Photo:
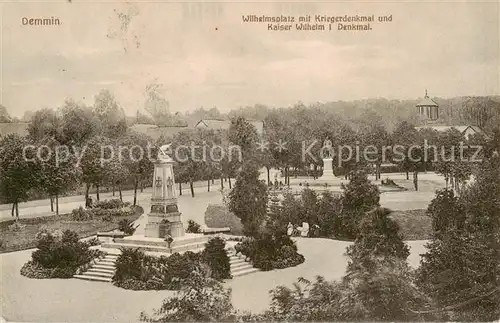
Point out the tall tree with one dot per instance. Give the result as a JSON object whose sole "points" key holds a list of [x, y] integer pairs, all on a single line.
{"points": [[403, 138], [79, 124], [116, 173], [4, 115], [93, 164], [58, 172], [18, 171], [248, 199], [138, 158], [359, 196], [244, 135], [45, 124], [110, 114]]}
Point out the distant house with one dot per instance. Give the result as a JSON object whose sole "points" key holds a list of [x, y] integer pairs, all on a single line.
{"points": [[220, 124], [20, 128], [155, 132], [466, 131], [428, 111]]}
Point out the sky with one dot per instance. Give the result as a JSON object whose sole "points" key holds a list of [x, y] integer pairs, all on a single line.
{"points": [[202, 54]]}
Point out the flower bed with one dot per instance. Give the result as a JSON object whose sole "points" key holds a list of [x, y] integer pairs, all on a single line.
{"points": [[104, 214], [25, 238], [110, 204]]}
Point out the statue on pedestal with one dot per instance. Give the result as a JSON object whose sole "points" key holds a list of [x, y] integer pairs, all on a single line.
{"points": [[164, 153], [164, 210], [326, 150]]}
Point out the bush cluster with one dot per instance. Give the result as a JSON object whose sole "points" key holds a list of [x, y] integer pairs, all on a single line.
{"points": [[110, 204], [58, 256], [268, 252], [104, 214], [193, 227], [137, 271], [327, 215]]}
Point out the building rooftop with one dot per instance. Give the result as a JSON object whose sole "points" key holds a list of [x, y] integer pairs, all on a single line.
{"points": [[427, 102], [461, 129]]}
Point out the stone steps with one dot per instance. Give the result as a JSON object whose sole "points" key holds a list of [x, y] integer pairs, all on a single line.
{"points": [[103, 270], [240, 267], [92, 278]]}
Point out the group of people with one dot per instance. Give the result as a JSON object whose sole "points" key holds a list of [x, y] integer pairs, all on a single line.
{"points": [[303, 231]]}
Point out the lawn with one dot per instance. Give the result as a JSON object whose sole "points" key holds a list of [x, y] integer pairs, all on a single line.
{"points": [[413, 224], [25, 238]]}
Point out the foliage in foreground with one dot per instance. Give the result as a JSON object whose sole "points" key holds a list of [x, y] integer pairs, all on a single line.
{"points": [[200, 299], [382, 292], [58, 256], [461, 269]]}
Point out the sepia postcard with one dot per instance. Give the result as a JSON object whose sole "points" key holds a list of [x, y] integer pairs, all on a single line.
{"points": [[249, 161]]}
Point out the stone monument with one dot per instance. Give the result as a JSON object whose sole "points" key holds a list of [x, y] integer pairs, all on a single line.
{"points": [[328, 177], [327, 160], [164, 218], [163, 231]]}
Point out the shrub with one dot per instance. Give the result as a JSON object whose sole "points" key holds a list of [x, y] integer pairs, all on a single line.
{"points": [[216, 257], [193, 227], [219, 216], [268, 252], [93, 242], [108, 204], [104, 214], [154, 272], [124, 211], [128, 265], [378, 236], [33, 270], [81, 214], [58, 257], [136, 270], [200, 299]]}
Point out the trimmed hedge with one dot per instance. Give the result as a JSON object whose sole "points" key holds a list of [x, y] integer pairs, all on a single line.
{"points": [[218, 216]]}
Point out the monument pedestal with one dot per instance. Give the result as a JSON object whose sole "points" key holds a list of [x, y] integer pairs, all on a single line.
{"points": [[328, 177], [164, 230]]}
